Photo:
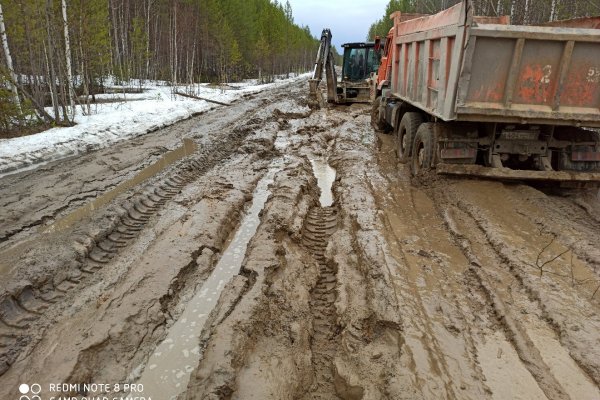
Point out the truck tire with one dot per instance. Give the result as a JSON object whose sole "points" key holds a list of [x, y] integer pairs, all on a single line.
{"points": [[422, 151], [405, 134], [376, 122]]}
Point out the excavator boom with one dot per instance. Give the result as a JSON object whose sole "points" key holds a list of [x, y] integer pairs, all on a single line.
{"points": [[325, 61]]}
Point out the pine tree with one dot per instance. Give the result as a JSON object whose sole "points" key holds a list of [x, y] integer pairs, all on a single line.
{"points": [[62, 49]]}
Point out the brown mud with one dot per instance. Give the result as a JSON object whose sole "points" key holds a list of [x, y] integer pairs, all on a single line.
{"points": [[355, 281]]}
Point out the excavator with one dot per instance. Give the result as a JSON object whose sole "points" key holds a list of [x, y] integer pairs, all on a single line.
{"points": [[359, 66]]}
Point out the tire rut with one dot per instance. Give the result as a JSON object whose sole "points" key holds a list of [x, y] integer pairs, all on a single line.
{"points": [[515, 331], [54, 211], [20, 310], [319, 226], [548, 315]]}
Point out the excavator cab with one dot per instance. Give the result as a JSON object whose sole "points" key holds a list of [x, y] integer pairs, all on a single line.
{"points": [[360, 59]]}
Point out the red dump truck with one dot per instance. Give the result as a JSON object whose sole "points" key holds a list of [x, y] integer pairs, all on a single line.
{"points": [[471, 95]]}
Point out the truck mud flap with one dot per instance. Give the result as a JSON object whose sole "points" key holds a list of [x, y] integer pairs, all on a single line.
{"points": [[568, 178]]}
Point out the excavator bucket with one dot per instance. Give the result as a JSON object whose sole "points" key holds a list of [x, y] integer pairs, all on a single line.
{"points": [[313, 88]]}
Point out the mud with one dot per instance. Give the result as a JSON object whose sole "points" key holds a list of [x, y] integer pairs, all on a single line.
{"points": [[165, 376], [291, 257]]}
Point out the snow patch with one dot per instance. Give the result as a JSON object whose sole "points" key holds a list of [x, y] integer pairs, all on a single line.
{"points": [[145, 112]]}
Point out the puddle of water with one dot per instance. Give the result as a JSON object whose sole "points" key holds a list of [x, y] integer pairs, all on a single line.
{"points": [[325, 176], [188, 147], [168, 370]]}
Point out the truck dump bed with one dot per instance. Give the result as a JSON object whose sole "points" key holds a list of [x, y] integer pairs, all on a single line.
{"points": [[459, 67]]}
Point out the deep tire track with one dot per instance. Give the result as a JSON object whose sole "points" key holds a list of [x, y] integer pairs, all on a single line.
{"points": [[513, 271], [21, 309], [319, 226], [515, 332]]}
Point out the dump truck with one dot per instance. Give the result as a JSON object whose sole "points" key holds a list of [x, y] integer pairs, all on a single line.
{"points": [[468, 95], [359, 65]]}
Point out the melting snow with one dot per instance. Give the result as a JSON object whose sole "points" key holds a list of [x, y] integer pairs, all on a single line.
{"points": [[112, 122]]}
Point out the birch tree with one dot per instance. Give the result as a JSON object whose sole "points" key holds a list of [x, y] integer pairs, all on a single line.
{"points": [[553, 10], [70, 83], [9, 64]]}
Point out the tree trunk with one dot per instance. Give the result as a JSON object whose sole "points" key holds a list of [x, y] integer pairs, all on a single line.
{"points": [[35, 79], [124, 47], [175, 64], [148, 40], [86, 109], [500, 8], [156, 48], [191, 69], [11, 71], [115, 36], [513, 6], [70, 83], [39, 108], [50, 63], [553, 10], [64, 90]]}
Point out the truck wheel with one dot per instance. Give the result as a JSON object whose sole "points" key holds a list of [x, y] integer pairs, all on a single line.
{"points": [[377, 123], [422, 150], [406, 134]]}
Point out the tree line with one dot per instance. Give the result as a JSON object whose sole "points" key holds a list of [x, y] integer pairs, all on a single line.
{"points": [[59, 53], [521, 12]]}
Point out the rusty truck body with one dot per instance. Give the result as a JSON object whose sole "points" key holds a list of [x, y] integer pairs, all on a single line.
{"points": [[478, 96]]}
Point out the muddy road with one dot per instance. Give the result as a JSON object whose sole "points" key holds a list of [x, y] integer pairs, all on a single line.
{"points": [[281, 252]]}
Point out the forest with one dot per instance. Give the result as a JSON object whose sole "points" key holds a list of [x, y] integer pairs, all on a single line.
{"points": [[59, 53], [521, 12]]}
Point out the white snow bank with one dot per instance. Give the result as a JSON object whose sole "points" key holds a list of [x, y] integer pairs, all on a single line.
{"points": [[109, 123]]}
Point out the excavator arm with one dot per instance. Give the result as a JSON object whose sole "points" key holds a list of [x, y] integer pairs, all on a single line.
{"points": [[325, 61]]}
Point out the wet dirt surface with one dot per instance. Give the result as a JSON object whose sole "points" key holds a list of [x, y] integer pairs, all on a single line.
{"points": [[291, 257]]}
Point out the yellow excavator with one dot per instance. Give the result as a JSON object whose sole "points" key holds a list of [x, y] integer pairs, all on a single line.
{"points": [[359, 66]]}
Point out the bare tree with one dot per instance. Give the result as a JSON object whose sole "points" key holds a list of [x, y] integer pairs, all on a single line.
{"points": [[70, 89], [148, 39], [553, 10], [9, 64], [50, 67]]}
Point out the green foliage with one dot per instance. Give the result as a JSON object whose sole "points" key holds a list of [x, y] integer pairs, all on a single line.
{"points": [[235, 60], [258, 37], [139, 43], [11, 116], [149, 39], [9, 112]]}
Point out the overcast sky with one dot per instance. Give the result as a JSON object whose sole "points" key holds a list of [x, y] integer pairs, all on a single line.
{"points": [[349, 20]]}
